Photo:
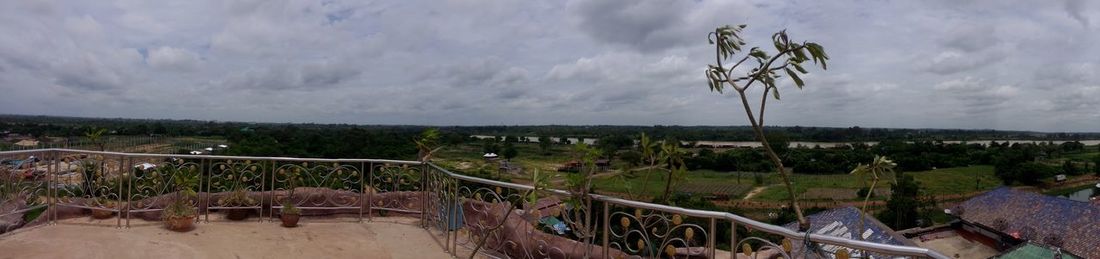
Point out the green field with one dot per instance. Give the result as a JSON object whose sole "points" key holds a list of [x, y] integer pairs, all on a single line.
{"points": [[944, 181], [937, 182], [700, 181]]}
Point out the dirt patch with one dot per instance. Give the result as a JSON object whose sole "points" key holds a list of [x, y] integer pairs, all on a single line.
{"points": [[754, 192]]}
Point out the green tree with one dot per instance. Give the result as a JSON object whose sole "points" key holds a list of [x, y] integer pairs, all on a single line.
{"points": [[427, 144], [490, 145], [509, 151], [873, 172], [544, 145], [1096, 164], [650, 155], [905, 206], [1069, 168], [763, 73], [94, 135], [673, 161], [615, 142]]}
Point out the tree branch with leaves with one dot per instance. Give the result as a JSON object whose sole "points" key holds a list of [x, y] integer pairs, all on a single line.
{"points": [[877, 169], [762, 73]]}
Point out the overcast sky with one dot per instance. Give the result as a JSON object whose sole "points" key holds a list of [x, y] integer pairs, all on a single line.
{"points": [[1026, 65]]}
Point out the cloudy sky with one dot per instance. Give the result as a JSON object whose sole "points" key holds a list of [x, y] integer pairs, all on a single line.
{"points": [[1029, 65]]}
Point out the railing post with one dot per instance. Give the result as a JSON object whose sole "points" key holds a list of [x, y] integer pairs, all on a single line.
{"points": [[733, 239], [607, 227], [206, 168], [129, 194], [424, 194], [362, 190], [457, 202], [370, 197], [51, 173], [263, 189], [711, 243], [121, 165]]}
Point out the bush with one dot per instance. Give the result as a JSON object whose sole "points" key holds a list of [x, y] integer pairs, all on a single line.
{"points": [[862, 192]]}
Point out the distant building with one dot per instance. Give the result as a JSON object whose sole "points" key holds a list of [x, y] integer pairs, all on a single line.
{"points": [[1012, 217], [844, 222], [603, 164], [27, 143]]}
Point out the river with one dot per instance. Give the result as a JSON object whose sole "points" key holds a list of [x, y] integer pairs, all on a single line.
{"points": [[1083, 195], [709, 143]]}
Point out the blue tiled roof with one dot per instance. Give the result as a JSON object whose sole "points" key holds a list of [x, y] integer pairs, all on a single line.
{"points": [[844, 222], [1074, 224]]}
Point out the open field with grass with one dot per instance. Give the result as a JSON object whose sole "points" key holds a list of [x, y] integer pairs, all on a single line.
{"points": [[703, 182], [944, 181]]}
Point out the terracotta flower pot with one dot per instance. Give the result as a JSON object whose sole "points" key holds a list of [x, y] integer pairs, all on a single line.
{"points": [[236, 214], [102, 214], [180, 224], [290, 220]]}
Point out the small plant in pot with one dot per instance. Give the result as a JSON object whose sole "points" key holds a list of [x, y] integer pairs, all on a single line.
{"points": [[180, 214], [238, 198], [104, 213], [290, 214]]}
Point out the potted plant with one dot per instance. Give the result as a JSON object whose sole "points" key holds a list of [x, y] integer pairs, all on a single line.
{"points": [[104, 213], [290, 214], [238, 198], [180, 214]]}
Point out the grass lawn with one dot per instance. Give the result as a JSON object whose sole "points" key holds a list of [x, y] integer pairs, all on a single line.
{"points": [[692, 181], [1084, 156], [938, 182]]}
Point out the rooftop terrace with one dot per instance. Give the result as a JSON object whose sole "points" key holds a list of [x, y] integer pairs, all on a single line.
{"points": [[348, 206]]}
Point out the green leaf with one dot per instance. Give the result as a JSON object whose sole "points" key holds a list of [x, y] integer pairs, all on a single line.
{"points": [[775, 93], [797, 81], [799, 68], [756, 52]]}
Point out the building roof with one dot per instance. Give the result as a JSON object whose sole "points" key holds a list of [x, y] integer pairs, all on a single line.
{"points": [[1031, 250], [1071, 225], [27, 143], [844, 222]]}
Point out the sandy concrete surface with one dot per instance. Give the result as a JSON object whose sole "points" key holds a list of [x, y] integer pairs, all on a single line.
{"points": [[951, 244], [86, 238]]}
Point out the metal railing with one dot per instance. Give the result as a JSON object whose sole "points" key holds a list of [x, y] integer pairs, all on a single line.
{"points": [[459, 210]]}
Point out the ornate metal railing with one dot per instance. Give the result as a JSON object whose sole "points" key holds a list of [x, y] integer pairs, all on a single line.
{"points": [[459, 210]]}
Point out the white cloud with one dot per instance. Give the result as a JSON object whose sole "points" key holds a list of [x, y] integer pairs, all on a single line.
{"points": [[173, 59], [974, 64]]}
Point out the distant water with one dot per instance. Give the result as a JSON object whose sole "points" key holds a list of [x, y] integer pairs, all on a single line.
{"points": [[872, 143], [814, 143], [1082, 195]]}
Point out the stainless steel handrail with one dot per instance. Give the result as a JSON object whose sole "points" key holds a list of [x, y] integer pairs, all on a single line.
{"points": [[286, 159], [753, 224], [765, 227]]}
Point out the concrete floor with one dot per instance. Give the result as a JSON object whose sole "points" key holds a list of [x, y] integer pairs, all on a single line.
{"points": [[87, 238], [952, 244]]}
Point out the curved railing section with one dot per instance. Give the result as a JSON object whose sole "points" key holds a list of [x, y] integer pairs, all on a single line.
{"points": [[461, 211]]}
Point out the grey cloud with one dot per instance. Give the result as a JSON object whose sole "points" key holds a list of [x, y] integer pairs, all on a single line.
{"points": [[977, 95], [1076, 9], [309, 76], [895, 64], [645, 25], [971, 38], [485, 72], [1063, 75], [173, 59]]}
